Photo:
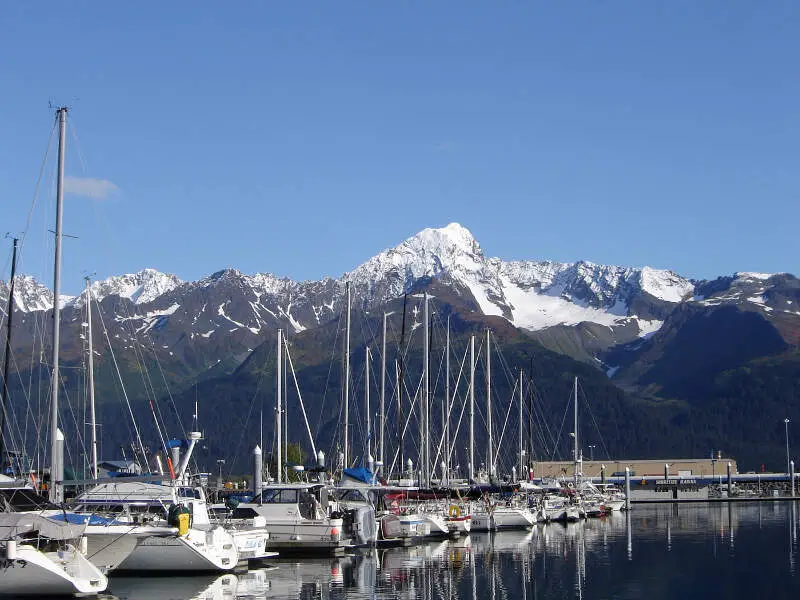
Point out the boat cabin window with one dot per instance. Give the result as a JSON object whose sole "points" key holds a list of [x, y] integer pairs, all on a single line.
{"points": [[186, 492], [279, 497], [344, 495]]}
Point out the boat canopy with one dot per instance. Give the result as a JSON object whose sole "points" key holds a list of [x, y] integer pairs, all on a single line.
{"points": [[14, 525]]}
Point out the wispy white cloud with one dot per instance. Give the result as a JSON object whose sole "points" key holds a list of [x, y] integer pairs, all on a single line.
{"points": [[98, 189]]}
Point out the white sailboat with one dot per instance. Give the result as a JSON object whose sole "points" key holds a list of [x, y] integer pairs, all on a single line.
{"points": [[44, 558]]}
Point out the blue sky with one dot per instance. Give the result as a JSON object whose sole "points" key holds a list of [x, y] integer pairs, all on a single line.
{"points": [[301, 138]]}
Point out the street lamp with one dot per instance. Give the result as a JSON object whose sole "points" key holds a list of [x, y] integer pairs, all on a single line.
{"points": [[220, 462], [591, 452], [786, 423]]}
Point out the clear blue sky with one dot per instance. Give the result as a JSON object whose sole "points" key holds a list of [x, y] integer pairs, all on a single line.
{"points": [[301, 138]]}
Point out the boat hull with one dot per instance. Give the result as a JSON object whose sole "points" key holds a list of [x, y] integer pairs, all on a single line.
{"points": [[35, 573], [199, 550]]}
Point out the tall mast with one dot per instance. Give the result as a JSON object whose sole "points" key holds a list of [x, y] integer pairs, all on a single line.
{"points": [[446, 404], [471, 408], [383, 391], [521, 456], [347, 382], [286, 363], [530, 412], [424, 421], [400, 415], [575, 430], [56, 492], [489, 400], [92, 415], [279, 406], [398, 373], [366, 403], [7, 353]]}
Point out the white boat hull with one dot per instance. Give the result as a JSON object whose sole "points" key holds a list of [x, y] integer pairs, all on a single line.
{"points": [[437, 524], [308, 535], [198, 550], [459, 525], [512, 518], [481, 522], [403, 527], [35, 573]]}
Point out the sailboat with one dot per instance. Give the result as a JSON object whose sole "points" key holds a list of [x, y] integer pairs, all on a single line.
{"points": [[302, 517], [43, 556]]}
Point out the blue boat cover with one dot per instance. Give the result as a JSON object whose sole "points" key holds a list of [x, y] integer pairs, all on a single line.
{"points": [[77, 519], [362, 474]]}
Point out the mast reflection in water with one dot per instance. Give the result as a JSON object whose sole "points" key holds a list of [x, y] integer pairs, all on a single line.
{"points": [[731, 551]]}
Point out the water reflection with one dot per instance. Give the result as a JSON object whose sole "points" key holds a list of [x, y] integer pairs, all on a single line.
{"points": [[584, 560]]}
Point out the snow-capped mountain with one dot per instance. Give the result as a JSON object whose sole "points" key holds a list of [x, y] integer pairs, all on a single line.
{"points": [[229, 307], [141, 288], [29, 295]]}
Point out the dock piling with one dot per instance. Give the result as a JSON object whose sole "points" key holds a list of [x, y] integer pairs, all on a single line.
{"points": [[730, 482], [258, 470], [627, 488]]}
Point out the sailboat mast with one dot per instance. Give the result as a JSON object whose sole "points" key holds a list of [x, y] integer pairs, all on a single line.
{"points": [[56, 492], [347, 383], [446, 404], [575, 437], [7, 353], [424, 421], [471, 408], [383, 392], [92, 414], [490, 463], [530, 412], [366, 403], [521, 455], [279, 407], [400, 368]]}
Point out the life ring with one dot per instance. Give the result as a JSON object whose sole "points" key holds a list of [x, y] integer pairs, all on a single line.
{"points": [[454, 510]]}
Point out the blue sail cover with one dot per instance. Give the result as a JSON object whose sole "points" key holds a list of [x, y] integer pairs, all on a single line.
{"points": [[362, 474]]}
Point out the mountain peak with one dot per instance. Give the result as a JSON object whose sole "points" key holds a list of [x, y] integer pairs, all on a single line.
{"points": [[447, 240], [141, 287]]}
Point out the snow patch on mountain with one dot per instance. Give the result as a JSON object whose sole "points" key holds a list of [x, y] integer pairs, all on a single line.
{"points": [[141, 288], [664, 285], [753, 275]]}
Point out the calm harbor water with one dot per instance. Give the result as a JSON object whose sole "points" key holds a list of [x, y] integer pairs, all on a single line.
{"points": [[741, 550]]}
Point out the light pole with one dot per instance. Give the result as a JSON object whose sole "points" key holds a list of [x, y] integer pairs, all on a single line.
{"points": [[786, 423], [591, 452]]}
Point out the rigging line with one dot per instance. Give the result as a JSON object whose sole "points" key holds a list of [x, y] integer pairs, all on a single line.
{"points": [[561, 428], [136, 349], [591, 414], [158, 417], [450, 404], [330, 371], [73, 130], [38, 185], [505, 423], [410, 413], [168, 392], [139, 351], [232, 460], [300, 398], [122, 386], [544, 425]]}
